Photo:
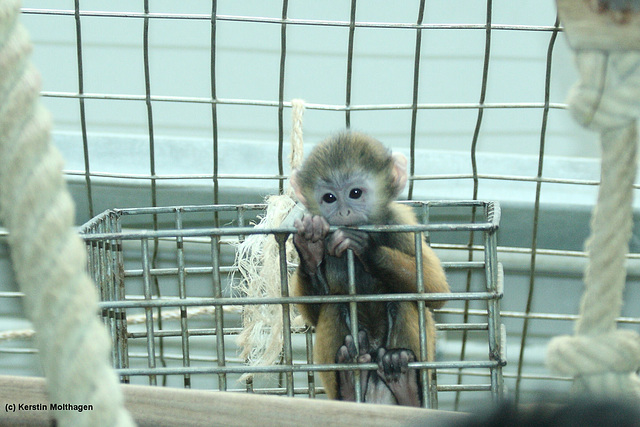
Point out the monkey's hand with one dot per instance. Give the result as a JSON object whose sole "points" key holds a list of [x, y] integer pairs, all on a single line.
{"points": [[309, 241], [347, 238]]}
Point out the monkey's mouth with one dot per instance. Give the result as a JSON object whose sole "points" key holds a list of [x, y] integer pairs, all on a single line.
{"points": [[347, 222]]}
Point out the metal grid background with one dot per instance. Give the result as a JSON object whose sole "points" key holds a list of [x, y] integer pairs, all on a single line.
{"points": [[519, 321]]}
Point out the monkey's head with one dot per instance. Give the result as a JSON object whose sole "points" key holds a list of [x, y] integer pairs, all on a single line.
{"points": [[350, 179]]}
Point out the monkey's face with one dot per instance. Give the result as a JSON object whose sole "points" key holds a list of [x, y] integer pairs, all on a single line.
{"points": [[347, 200]]}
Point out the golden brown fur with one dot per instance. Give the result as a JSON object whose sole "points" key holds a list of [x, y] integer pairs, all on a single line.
{"points": [[394, 271]]}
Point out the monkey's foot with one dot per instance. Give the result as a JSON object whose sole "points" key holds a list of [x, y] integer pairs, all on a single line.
{"points": [[393, 369], [347, 353]]}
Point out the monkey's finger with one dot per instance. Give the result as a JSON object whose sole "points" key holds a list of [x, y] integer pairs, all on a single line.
{"points": [[363, 342], [395, 366], [359, 236], [339, 247], [334, 240], [383, 363], [351, 346], [406, 357], [319, 228], [342, 356], [325, 227], [303, 226]]}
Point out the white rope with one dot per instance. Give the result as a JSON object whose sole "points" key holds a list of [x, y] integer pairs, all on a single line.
{"points": [[261, 339], [48, 257], [297, 112], [602, 359]]}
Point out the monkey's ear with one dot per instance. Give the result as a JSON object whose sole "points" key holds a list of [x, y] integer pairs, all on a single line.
{"points": [[399, 171], [294, 180]]}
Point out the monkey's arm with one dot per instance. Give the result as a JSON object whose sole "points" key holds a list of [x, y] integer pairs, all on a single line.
{"points": [[390, 257], [304, 284], [398, 270], [308, 280]]}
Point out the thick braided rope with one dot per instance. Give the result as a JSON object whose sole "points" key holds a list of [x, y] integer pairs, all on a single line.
{"points": [[48, 257], [260, 341], [600, 357]]}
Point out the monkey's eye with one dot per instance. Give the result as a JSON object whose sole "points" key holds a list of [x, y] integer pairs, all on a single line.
{"points": [[328, 198], [356, 193]]}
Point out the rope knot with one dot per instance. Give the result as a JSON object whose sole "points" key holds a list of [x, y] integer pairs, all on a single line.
{"points": [[617, 351], [608, 93]]}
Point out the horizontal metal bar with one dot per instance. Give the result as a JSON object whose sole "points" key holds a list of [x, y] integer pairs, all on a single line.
{"points": [[8, 294], [174, 271], [471, 373], [190, 209], [242, 369], [288, 21], [523, 315], [234, 231], [462, 326], [465, 387], [230, 331], [522, 250], [332, 299], [310, 106], [263, 206], [274, 177]]}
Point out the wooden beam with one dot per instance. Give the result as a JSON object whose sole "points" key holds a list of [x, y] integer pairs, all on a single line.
{"points": [[586, 28], [152, 406]]}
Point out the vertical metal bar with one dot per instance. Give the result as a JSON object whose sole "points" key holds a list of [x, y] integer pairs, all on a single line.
{"points": [[428, 377], [102, 279], [311, 378], [286, 310], [474, 167], [152, 169], [241, 222], [182, 291], [147, 88], [217, 293], [110, 289], [352, 30], [493, 308], [146, 277], [120, 296], [353, 314], [536, 208], [83, 118], [283, 57], [414, 103], [214, 108]]}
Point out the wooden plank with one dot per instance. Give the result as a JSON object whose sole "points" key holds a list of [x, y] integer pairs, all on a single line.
{"points": [[586, 28], [152, 406]]}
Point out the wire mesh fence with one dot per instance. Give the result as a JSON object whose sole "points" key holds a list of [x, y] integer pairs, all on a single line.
{"points": [[458, 138]]}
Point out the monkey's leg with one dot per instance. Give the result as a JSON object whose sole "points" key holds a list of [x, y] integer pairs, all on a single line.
{"points": [[331, 331], [402, 347], [348, 354]]}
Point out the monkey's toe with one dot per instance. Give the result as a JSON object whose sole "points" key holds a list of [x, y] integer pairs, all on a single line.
{"points": [[393, 364]]}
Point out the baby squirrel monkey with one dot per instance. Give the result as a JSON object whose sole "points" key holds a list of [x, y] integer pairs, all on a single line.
{"points": [[348, 180]]}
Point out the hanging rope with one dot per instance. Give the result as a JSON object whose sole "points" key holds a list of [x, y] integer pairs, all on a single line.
{"points": [[48, 257], [261, 339], [601, 358]]}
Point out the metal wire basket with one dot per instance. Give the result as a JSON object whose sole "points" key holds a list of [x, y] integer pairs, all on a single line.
{"points": [[165, 278]]}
